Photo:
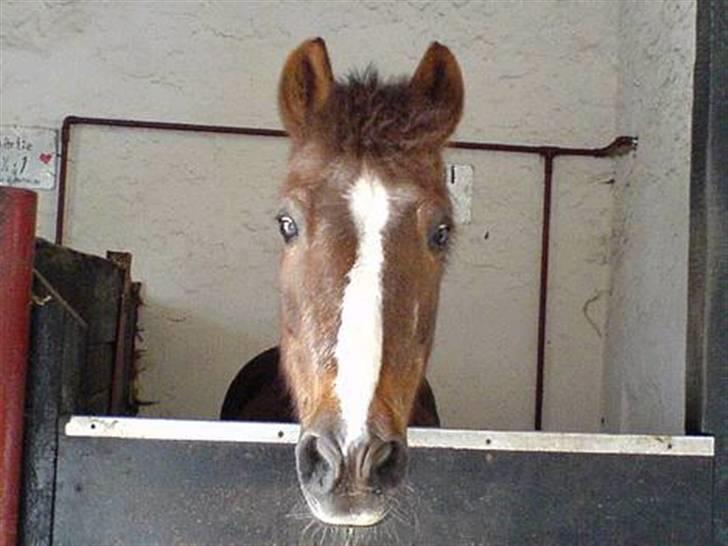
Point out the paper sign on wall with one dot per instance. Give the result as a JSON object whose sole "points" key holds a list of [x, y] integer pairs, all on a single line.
{"points": [[28, 157], [459, 180]]}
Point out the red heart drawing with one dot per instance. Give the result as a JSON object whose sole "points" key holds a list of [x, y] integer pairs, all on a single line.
{"points": [[45, 158]]}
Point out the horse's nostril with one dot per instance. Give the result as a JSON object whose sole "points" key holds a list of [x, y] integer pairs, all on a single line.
{"points": [[378, 456], [318, 461], [310, 457], [385, 465]]}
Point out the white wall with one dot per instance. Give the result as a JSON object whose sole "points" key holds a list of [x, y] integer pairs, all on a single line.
{"points": [[645, 348], [195, 210]]}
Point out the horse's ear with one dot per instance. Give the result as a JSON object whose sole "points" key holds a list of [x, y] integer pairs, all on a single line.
{"points": [[306, 83], [438, 85]]}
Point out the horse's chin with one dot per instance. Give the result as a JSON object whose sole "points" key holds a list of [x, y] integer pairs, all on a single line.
{"points": [[363, 519], [325, 512]]}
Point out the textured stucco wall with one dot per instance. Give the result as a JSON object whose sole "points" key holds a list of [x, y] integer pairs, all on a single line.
{"points": [[645, 346], [195, 210]]}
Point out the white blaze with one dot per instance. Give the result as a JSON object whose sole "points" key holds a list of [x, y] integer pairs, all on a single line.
{"points": [[359, 341]]}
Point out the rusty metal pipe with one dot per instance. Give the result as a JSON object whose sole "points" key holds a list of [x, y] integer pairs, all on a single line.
{"points": [[618, 146], [17, 238], [548, 175]]}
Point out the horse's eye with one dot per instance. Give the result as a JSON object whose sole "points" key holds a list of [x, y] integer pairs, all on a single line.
{"points": [[440, 237], [287, 227]]}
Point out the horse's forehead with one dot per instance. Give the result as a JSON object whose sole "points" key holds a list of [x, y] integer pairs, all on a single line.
{"points": [[314, 167], [331, 193]]}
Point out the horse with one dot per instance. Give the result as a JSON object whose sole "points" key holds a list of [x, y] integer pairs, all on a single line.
{"points": [[366, 224], [259, 393]]}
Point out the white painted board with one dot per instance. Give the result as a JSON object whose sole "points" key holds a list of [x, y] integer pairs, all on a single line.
{"points": [[491, 440]]}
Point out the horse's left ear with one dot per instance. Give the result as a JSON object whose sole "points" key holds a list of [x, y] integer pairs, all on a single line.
{"points": [[305, 86], [438, 83]]}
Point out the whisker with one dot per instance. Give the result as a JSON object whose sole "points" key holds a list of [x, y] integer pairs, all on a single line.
{"points": [[321, 530], [302, 538]]}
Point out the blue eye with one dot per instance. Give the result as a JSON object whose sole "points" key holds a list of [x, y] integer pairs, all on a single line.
{"points": [[288, 228], [440, 237]]}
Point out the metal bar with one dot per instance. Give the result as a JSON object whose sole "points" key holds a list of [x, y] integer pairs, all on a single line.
{"points": [[619, 146], [613, 148], [548, 174], [175, 126], [17, 233], [62, 175]]}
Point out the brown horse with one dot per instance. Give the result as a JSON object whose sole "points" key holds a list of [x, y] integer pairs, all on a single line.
{"points": [[367, 222], [259, 393]]}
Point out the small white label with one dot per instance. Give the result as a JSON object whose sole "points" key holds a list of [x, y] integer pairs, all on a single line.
{"points": [[28, 157], [460, 185]]}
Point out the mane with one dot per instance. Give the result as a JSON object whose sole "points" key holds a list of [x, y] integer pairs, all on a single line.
{"points": [[366, 116]]}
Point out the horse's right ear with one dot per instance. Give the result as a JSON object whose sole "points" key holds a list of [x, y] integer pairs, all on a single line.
{"points": [[305, 86]]}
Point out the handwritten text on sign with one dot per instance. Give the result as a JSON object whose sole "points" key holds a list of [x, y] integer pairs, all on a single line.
{"points": [[28, 157]]}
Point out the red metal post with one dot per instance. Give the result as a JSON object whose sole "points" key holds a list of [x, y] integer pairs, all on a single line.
{"points": [[17, 236]]}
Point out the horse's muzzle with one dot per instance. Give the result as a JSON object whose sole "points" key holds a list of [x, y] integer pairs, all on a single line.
{"points": [[349, 485]]}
